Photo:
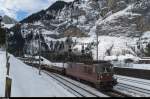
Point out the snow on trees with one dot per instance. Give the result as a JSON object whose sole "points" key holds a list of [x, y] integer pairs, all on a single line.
{"points": [[2, 36], [2, 33], [147, 52]]}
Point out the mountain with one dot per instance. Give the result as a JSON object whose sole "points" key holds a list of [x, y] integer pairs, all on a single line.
{"points": [[120, 24], [45, 14], [7, 20]]}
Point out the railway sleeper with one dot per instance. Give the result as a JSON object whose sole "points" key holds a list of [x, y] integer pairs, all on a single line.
{"points": [[104, 86]]}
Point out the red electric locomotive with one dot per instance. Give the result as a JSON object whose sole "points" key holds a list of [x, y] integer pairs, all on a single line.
{"points": [[100, 74]]}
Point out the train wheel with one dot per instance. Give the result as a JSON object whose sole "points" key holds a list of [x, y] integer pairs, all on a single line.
{"points": [[97, 86]]}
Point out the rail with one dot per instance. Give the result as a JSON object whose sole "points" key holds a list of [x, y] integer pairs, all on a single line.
{"points": [[81, 91]]}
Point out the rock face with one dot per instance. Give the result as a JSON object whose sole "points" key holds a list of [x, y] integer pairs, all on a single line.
{"points": [[111, 17], [82, 18], [7, 20], [130, 22]]}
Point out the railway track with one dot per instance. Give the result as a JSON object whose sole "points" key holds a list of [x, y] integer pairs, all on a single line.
{"points": [[134, 81], [112, 93], [70, 89], [76, 90], [115, 93], [80, 91], [134, 89]]}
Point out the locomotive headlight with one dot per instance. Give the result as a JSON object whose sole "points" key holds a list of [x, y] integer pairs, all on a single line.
{"points": [[101, 76]]}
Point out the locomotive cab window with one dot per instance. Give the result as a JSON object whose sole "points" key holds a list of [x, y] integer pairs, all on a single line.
{"points": [[103, 69], [99, 69], [107, 70]]}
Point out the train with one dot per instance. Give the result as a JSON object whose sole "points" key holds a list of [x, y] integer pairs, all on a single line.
{"points": [[99, 74], [82, 67]]}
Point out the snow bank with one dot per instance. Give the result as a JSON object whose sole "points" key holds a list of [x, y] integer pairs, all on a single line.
{"points": [[121, 57], [140, 83], [9, 25], [27, 83], [2, 73], [142, 66], [146, 34]]}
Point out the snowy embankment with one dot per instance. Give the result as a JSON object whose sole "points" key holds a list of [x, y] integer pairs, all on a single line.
{"points": [[27, 83], [134, 82], [2, 73], [134, 66]]}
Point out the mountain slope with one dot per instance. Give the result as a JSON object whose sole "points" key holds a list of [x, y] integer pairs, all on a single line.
{"points": [[7, 20], [126, 19], [45, 14]]}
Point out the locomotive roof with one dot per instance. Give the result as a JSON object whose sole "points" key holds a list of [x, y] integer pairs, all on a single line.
{"points": [[107, 63], [100, 61]]}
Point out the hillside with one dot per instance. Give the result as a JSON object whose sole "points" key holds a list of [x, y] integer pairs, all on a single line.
{"points": [[123, 19], [7, 20]]}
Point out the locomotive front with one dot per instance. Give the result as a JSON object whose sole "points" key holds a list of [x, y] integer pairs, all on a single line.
{"points": [[105, 75]]}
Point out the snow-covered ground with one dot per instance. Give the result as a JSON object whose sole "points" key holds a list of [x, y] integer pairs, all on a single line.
{"points": [[135, 82], [2, 73], [86, 90], [27, 83], [131, 65], [8, 25], [141, 66]]}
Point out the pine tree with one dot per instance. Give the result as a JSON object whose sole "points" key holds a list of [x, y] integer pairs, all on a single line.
{"points": [[2, 36], [51, 45], [2, 33], [147, 52]]}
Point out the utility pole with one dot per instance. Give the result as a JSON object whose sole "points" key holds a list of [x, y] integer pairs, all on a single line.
{"points": [[39, 51], [6, 44], [24, 45], [0, 20], [97, 44], [8, 79]]}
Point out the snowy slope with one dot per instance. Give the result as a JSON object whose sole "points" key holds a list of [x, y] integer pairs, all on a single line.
{"points": [[121, 47], [27, 83], [134, 82], [2, 73], [8, 20], [133, 66], [121, 21]]}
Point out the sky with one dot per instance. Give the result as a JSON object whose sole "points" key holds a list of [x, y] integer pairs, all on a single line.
{"points": [[19, 9]]}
